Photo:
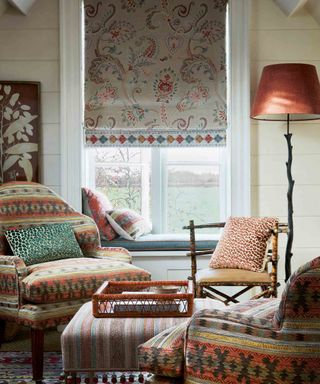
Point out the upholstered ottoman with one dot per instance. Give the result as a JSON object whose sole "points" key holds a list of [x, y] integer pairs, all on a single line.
{"points": [[92, 344]]}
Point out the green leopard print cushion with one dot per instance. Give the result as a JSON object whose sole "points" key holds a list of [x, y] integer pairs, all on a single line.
{"points": [[44, 243]]}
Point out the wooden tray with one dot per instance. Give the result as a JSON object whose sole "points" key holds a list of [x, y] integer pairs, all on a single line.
{"points": [[109, 301]]}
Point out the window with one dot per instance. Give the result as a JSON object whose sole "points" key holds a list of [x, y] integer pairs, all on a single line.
{"points": [[71, 58], [168, 186]]}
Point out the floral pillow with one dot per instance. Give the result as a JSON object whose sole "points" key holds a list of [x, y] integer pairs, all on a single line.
{"points": [[243, 243], [128, 224], [96, 205]]}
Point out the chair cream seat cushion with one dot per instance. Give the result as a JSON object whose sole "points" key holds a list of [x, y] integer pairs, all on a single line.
{"points": [[226, 275], [72, 279]]}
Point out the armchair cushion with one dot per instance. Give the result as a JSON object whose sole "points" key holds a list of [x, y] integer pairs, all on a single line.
{"points": [[71, 279], [243, 243], [229, 275], [44, 243]]}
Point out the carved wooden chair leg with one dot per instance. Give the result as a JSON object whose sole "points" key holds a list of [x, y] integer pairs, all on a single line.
{"points": [[2, 331], [199, 291], [37, 343]]}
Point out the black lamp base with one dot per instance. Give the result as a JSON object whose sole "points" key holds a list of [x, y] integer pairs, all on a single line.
{"points": [[288, 256]]}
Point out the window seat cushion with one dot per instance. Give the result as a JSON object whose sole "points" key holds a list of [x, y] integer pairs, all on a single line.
{"points": [[163, 242]]}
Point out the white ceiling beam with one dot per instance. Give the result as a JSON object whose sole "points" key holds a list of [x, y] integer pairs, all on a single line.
{"points": [[23, 6], [313, 7], [290, 7]]}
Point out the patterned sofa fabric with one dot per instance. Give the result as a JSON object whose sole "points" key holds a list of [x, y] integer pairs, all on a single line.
{"points": [[228, 347], [23, 291], [300, 304], [71, 279], [23, 204], [164, 353]]}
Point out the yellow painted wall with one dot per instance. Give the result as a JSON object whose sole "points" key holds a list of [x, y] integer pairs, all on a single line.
{"points": [[276, 38]]}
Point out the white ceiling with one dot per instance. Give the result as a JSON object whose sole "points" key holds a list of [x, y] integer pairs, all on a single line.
{"points": [[288, 7], [22, 6], [292, 7]]}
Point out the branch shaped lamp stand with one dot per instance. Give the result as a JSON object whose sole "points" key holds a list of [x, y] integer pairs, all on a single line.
{"points": [[288, 91], [288, 256]]}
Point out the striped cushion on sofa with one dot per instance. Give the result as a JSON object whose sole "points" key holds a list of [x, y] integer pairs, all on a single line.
{"points": [[71, 279]]}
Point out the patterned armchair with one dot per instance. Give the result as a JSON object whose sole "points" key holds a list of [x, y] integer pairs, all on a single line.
{"points": [[233, 347], [263, 341], [48, 294]]}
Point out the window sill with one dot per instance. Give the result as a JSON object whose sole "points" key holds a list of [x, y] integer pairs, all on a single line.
{"points": [[164, 242]]}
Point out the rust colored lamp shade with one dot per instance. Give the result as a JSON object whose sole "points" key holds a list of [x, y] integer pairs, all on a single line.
{"points": [[287, 91]]}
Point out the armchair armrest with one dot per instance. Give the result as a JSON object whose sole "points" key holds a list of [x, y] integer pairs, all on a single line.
{"points": [[232, 323], [112, 253], [12, 270], [236, 321], [209, 225]]}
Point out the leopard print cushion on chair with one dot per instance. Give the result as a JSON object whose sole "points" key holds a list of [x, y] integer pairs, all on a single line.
{"points": [[243, 243]]}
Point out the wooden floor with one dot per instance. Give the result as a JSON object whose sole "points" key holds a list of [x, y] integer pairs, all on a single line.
{"points": [[21, 341]]}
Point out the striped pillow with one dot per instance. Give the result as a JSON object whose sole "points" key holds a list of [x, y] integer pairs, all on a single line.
{"points": [[96, 205], [128, 224]]}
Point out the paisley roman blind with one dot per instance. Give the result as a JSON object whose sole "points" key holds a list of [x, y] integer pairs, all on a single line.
{"points": [[155, 72]]}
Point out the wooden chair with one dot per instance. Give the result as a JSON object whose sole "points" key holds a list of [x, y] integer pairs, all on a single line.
{"points": [[207, 280]]}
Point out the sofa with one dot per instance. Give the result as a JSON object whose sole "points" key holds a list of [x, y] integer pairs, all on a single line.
{"points": [[264, 341], [48, 294]]}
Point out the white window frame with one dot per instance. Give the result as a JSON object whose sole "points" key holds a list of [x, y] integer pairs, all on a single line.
{"points": [[159, 184], [71, 103]]}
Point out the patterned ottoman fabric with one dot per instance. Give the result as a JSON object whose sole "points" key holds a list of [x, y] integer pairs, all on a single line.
{"points": [[70, 279], [94, 344], [164, 353]]}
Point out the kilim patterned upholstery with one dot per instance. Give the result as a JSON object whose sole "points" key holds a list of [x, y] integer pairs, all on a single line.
{"points": [[72, 279], [164, 353], [228, 347], [24, 204], [48, 294]]}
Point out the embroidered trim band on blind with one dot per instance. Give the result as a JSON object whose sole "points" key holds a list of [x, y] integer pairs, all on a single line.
{"points": [[155, 73]]}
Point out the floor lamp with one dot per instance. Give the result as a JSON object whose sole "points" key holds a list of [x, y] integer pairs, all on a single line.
{"points": [[288, 92]]}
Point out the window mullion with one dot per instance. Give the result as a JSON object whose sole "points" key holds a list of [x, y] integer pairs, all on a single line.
{"points": [[159, 190], [145, 188], [164, 189], [156, 191]]}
